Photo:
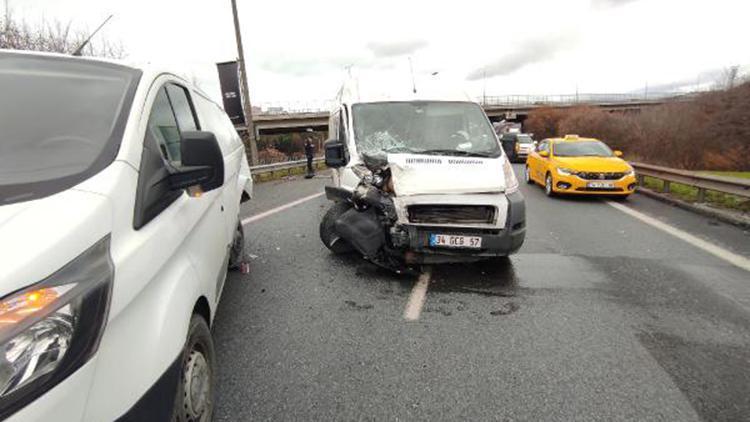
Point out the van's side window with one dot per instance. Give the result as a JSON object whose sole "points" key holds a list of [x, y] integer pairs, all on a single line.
{"points": [[335, 123], [162, 125], [171, 114], [342, 126], [183, 108]]}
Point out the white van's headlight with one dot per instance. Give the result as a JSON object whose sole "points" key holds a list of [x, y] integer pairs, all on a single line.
{"points": [[511, 183], [50, 329]]}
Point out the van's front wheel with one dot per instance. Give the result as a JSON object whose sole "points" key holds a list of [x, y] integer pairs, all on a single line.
{"points": [[328, 234], [195, 389]]}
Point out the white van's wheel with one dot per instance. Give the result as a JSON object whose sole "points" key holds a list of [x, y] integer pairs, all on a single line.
{"points": [[237, 252], [328, 234], [195, 390]]}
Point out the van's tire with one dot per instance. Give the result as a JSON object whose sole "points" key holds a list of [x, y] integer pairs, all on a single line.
{"points": [[237, 250], [548, 188], [328, 234], [194, 401]]}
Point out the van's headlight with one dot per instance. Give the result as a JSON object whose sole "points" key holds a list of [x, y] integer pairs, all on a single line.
{"points": [[511, 183], [51, 328], [565, 172]]}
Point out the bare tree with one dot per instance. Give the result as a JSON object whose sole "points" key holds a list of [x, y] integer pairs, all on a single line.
{"points": [[729, 77], [52, 36]]}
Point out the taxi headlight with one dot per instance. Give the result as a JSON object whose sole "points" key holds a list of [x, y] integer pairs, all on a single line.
{"points": [[565, 172], [51, 328]]}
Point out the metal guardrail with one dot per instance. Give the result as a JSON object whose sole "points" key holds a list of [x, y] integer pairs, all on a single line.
{"points": [[284, 165], [704, 182]]}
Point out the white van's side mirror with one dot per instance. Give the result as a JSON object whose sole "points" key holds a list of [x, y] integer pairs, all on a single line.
{"points": [[202, 162], [335, 151]]}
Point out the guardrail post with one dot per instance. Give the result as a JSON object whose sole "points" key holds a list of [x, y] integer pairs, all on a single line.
{"points": [[701, 195], [639, 178], [665, 187]]}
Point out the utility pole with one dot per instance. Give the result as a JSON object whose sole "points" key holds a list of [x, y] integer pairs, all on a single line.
{"points": [[247, 107]]}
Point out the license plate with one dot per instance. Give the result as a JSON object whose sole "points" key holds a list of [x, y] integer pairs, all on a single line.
{"points": [[451, 241], [600, 185]]}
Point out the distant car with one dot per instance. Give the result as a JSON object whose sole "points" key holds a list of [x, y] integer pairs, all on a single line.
{"points": [[517, 146], [120, 191], [575, 165]]}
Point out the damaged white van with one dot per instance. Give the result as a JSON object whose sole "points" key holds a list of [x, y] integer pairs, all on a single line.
{"points": [[418, 179]]}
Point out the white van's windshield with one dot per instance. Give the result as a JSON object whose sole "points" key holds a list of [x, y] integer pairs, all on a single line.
{"points": [[421, 127], [61, 122]]}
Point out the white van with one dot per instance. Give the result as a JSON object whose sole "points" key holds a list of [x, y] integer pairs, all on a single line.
{"points": [[120, 190], [420, 177]]}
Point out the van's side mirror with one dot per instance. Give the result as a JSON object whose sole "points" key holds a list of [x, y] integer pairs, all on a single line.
{"points": [[544, 153], [202, 162], [335, 153], [618, 153]]}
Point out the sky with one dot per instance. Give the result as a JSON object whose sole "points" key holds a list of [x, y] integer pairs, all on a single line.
{"points": [[299, 52]]}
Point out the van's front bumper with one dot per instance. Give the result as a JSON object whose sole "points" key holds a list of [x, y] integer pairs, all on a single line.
{"points": [[495, 241]]}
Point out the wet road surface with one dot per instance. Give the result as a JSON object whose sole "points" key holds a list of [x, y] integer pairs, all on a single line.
{"points": [[598, 317]]}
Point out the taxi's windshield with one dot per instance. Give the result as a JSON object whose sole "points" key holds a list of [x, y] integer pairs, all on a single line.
{"points": [[420, 127], [582, 149]]}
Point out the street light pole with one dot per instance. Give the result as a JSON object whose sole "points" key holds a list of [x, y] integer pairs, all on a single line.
{"points": [[247, 107]]}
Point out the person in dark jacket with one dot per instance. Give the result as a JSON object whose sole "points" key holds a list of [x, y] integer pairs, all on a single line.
{"points": [[309, 151]]}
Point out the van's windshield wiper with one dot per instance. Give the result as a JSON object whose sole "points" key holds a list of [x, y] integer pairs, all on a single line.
{"points": [[484, 154], [401, 148]]}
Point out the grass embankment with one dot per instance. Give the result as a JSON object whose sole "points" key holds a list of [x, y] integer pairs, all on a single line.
{"points": [[690, 194]]}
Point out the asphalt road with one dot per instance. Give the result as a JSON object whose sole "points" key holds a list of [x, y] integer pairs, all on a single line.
{"points": [[598, 317]]}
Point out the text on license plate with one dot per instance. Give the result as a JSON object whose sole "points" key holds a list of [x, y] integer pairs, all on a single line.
{"points": [[452, 241], [600, 185]]}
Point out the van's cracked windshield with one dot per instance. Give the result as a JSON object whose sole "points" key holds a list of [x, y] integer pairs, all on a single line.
{"points": [[388, 211], [424, 127]]}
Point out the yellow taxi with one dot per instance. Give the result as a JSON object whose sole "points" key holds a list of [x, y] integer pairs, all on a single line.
{"points": [[577, 165]]}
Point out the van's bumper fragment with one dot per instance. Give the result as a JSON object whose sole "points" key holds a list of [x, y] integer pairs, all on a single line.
{"points": [[495, 242], [337, 194]]}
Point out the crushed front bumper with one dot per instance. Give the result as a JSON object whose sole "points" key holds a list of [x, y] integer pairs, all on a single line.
{"points": [[495, 241]]}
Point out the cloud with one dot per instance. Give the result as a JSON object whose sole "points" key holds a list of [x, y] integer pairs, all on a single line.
{"points": [[304, 66], [531, 51], [398, 48], [604, 4]]}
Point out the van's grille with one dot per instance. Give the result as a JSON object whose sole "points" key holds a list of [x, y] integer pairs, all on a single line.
{"points": [[450, 214], [600, 176]]}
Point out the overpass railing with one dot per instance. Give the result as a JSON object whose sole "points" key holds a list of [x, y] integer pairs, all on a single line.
{"points": [[703, 182], [275, 108], [572, 99]]}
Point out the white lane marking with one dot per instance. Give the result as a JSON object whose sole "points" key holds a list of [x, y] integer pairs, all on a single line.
{"points": [[265, 214], [417, 297], [732, 258]]}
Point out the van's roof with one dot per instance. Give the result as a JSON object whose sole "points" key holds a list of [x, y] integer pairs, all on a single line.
{"points": [[357, 90], [149, 69]]}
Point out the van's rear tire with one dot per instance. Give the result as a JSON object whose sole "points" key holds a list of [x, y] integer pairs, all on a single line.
{"points": [[237, 250], [194, 401], [328, 234]]}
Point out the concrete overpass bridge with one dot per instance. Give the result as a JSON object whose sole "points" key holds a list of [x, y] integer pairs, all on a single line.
{"points": [[277, 118]]}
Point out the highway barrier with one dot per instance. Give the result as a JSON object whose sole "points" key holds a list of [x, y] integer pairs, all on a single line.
{"points": [[265, 172], [703, 182]]}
